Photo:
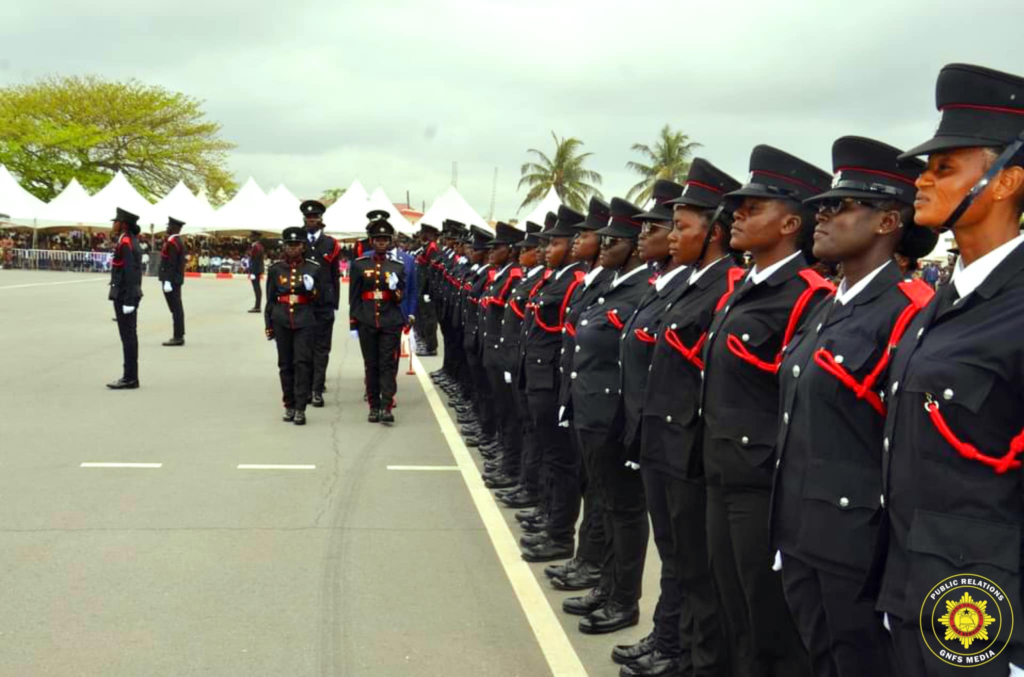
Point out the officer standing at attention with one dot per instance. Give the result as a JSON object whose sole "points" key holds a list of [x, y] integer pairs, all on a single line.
{"points": [[426, 258], [326, 251], [126, 293], [289, 318], [375, 295], [256, 269], [172, 276], [954, 431]]}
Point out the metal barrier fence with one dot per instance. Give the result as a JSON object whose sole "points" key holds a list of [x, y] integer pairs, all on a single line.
{"points": [[45, 259]]}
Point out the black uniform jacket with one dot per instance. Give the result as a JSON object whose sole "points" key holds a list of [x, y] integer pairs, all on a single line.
{"points": [[544, 331], [492, 310], [371, 301], [636, 350], [515, 325], [595, 376], [325, 251], [949, 513], [172, 261], [126, 271], [583, 297], [741, 393], [672, 425], [256, 259], [425, 276], [461, 268], [473, 291], [828, 477], [289, 303]]}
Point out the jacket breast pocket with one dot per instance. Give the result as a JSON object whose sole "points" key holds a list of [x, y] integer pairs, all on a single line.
{"points": [[942, 545], [540, 374], [840, 500], [959, 389]]}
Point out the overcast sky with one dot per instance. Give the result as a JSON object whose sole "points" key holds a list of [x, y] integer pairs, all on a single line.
{"points": [[316, 93]]}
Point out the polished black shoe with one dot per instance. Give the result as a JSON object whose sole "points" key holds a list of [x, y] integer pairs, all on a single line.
{"points": [[387, 416], [470, 429], [586, 576], [289, 416], [492, 466], [463, 419], [471, 441], [564, 569], [653, 664], [500, 481], [533, 540], [300, 418], [493, 448], [624, 654], [536, 527], [520, 499], [123, 384], [528, 514], [611, 617], [253, 310], [318, 400], [374, 416], [502, 493], [174, 342], [587, 604], [548, 551]]}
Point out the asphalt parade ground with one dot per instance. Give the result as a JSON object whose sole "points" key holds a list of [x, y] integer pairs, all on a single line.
{"points": [[184, 529]]}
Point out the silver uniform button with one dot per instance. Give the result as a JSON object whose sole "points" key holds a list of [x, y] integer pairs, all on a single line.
{"points": [[778, 462], [947, 394], [700, 411], [785, 418], [844, 502], [818, 330], [796, 371], [585, 322], [502, 340], [563, 351], [645, 329], [577, 349], [668, 307], [607, 391], [668, 419], [573, 375], [745, 337], [881, 500], [895, 387], [674, 326], [839, 359], [920, 333], [539, 360], [885, 444], [745, 440], [711, 336], [601, 300]]}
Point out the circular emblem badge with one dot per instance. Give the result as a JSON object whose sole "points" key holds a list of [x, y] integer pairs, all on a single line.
{"points": [[966, 620]]}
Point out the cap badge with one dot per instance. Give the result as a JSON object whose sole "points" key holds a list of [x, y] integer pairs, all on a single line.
{"points": [[836, 179]]}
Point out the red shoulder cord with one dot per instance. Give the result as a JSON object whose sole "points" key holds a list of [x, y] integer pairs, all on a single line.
{"points": [[117, 250], [499, 300], [613, 317], [919, 294], [815, 283], [577, 280], [969, 451], [692, 355]]}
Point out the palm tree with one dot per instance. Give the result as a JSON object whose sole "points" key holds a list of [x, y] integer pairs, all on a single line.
{"points": [[669, 159], [565, 173]]}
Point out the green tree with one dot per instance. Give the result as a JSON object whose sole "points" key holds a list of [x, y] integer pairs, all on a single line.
{"points": [[88, 128], [564, 172], [669, 159], [332, 195]]}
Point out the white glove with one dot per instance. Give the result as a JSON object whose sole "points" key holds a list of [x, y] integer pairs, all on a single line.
{"points": [[252, 277], [167, 287], [632, 466], [1015, 671], [562, 421], [307, 282], [392, 281], [885, 624], [354, 334], [777, 565], [508, 377], [426, 298], [128, 310]]}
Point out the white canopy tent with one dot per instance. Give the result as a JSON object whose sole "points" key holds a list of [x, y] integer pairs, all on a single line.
{"points": [[118, 194], [248, 210], [182, 205], [451, 205], [347, 216], [20, 206], [550, 203], [283, 208], [379, 200], [71, 207]]}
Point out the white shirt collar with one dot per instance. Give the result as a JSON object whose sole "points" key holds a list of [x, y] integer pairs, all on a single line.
{"points": [[561, 272], [171, 237], [759, 276], [313, 237], [473, 267], [844, 295], [619, 279], [502, 271], [969, 278], [697, 274], [533, 271], [663, 280], [591, 275]]}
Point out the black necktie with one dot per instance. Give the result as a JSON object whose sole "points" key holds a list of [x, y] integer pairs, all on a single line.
{"points": [[948, 296]]}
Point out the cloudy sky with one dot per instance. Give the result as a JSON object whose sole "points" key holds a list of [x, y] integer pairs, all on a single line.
{"points": [[316, 93]]}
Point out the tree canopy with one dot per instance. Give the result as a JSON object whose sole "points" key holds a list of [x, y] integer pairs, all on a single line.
{"points": [[563, 171], [88, 128], [668, 159]]}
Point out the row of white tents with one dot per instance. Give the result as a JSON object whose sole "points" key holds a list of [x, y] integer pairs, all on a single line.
{"points": [[250, 209]]}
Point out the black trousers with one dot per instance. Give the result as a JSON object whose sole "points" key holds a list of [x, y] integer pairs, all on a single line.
{"points": [[593, 544], [294, 364], [127, 327], [560, 467], [322, 339], [380, 348], [625, 522], [483, 402], [257, 289], [506, 409], [426, 325], [529, 464], [844, 637], [177, 311], [687, 618], [766, 640]]}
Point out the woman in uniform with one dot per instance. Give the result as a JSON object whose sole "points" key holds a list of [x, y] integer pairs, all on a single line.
{"points": [[954, 429], [828, 478], [126, 293]]}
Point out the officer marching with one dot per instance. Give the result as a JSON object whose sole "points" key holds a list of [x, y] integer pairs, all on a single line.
{"points": [[126, 294], [172, 275], [375, 315], [325, 250], [256, 269]]}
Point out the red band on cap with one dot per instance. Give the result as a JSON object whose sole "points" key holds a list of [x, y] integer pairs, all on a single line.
{"points": [[704, 186], [628, 222], [877, 172], [783, 177], [991, 109]]}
